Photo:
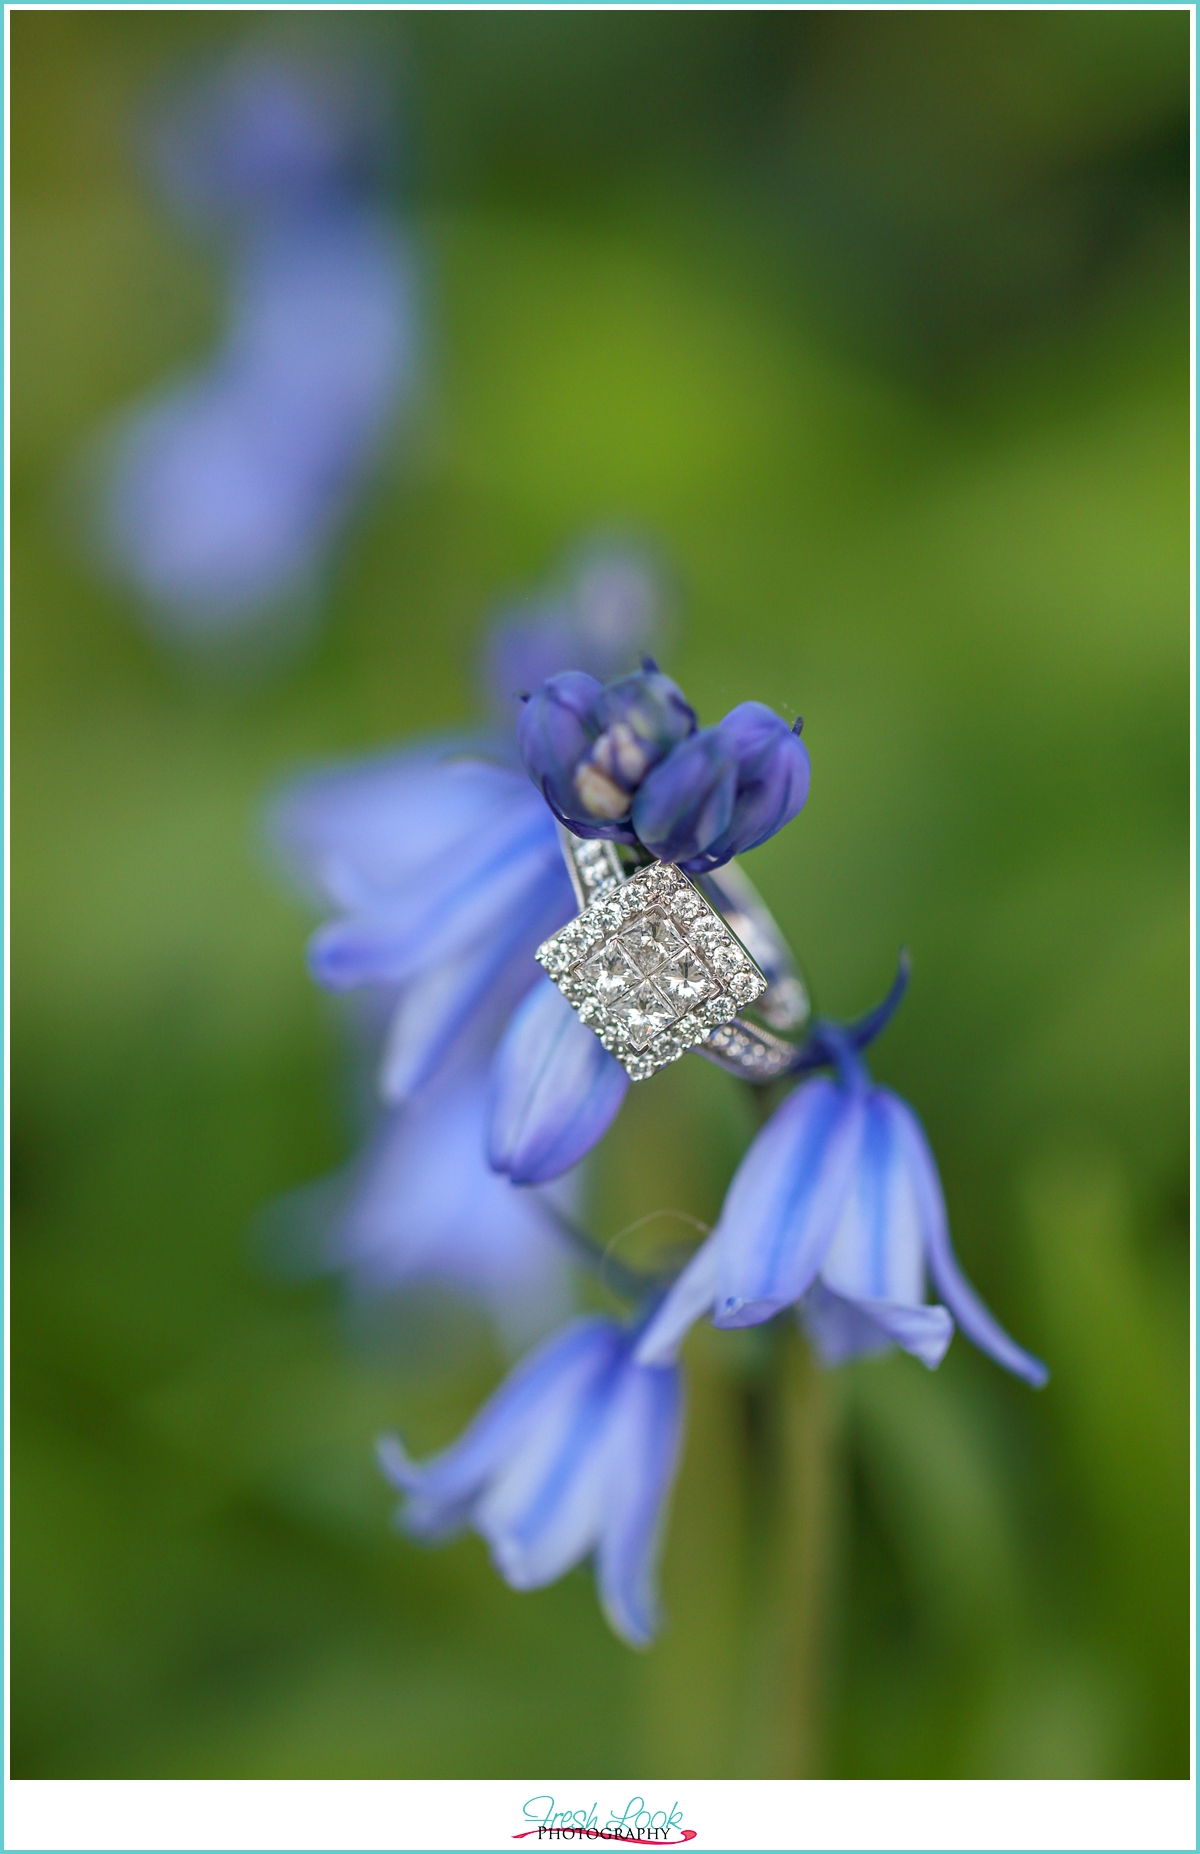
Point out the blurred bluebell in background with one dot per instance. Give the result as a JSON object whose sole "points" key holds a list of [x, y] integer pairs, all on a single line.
{"points": [[222, 495], [608, 608], [422, 1206]]}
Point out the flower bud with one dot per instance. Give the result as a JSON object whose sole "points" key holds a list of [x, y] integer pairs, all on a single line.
{"points": [[555, 729], [723, 791], [588, 748]]}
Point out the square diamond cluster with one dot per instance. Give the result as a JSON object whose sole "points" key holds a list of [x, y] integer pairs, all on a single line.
{"points": [[651, 968]]}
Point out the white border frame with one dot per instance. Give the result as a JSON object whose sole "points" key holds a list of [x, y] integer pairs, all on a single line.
{"points": [[488, 1815]]}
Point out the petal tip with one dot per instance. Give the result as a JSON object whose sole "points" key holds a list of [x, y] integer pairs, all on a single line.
{"points": [[396, 1463], [656, 1349], [636, 1631], [732, 1314]]}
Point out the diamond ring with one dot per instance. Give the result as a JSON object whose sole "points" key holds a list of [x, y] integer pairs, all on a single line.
{"points": [[654, 966]]}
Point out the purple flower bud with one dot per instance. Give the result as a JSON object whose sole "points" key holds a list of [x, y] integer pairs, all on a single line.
{"points": [[588, 748], [555, 729], [724, 790]]}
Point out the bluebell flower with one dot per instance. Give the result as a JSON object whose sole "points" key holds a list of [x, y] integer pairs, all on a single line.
{"points": [[555, 729], [588, 746], [446, 872], [574, 1455], [449, 875], [421, 1205], [836, 1210], [267, 129], [226, 491]]}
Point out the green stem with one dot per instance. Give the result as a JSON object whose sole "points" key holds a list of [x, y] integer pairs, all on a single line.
{"points": [[787, 1688], [628, 1282], [690, 1684]]}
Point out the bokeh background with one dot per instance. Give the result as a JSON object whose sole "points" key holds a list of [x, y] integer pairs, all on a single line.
{"points": [[875, 325]]}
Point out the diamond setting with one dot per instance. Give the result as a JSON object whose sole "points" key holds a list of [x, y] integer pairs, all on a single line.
{"points": [[652, 969], [652, 942]]}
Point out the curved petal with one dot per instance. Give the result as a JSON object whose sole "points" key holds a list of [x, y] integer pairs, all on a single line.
{"points": [[690, 1295], [362, 834], [554, 1376], [773, 781], [432, 1010], [439, 1002], [960, 1297], [555, 727], [556, 1090], [437, 919], [785, 1202], [841, 1327], [646, 1430], [686, 802], [836, 1327]]}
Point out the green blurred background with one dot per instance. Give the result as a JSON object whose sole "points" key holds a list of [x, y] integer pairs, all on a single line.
{"points": [[876, 325]]}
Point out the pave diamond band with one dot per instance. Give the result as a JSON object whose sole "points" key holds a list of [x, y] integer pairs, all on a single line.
{"points": [[593, 866], [653, 969]]}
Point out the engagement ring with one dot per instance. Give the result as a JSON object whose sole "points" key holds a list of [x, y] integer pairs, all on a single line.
{"points": [[654, 969]]}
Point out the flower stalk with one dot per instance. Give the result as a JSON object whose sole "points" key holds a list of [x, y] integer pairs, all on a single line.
{"points": [[786, 1690]]}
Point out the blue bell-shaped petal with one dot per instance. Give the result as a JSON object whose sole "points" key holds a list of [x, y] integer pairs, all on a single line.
{"points": [[555, 1090], [785, 1203], [451, 998], [723, 791], [220, 497], [871, 1289], [555, 729], [960, 1297], [837, 1209], [574, 1454], [267, 131]]}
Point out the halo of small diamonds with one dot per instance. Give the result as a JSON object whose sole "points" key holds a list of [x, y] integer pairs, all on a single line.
{"points": [[651, 968]]}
